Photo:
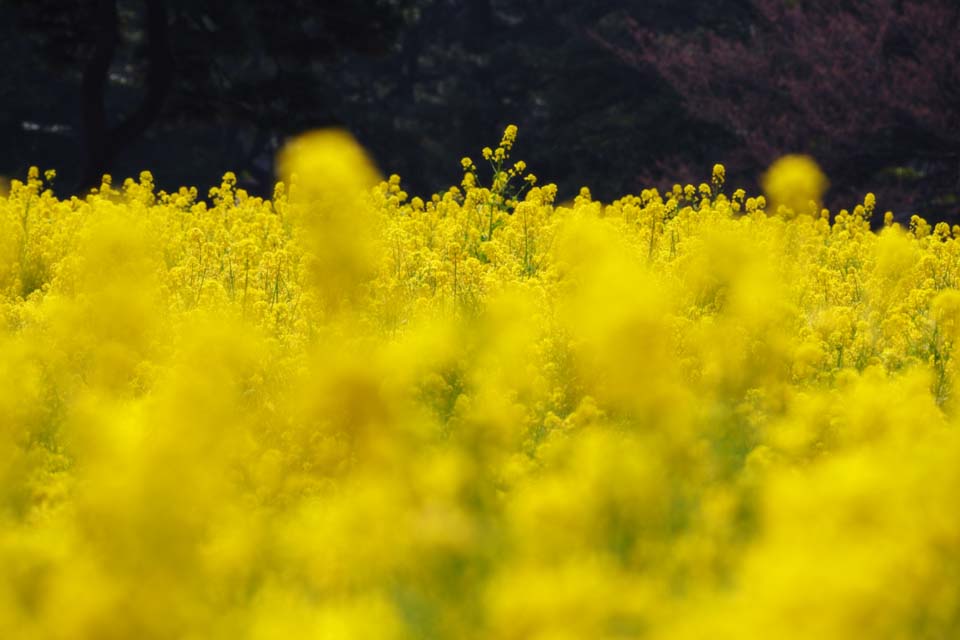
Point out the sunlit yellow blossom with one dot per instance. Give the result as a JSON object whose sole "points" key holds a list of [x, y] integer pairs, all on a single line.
{"points": [[793, 181], [350, 411], [719, 175], [331, 172]]}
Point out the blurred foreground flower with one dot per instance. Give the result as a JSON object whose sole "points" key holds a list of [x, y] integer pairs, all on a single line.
{"points": [[329, 175], [796, 183]]}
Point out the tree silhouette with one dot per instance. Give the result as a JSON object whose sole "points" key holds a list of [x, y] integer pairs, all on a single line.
{"points": [[146, 66], [102, 140]]}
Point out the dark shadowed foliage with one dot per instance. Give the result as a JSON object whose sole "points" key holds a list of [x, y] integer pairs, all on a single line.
{"points": [[617, 94], [871, 88]]}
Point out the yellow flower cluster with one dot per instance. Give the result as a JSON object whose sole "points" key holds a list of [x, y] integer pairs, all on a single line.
{"points": [[349, 413], [795, 182]]}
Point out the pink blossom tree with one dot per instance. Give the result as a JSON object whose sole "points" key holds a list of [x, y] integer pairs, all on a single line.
{"points": [[871, 88]]}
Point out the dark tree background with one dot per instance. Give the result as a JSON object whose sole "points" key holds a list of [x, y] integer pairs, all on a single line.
{"points": [[615, 94], [871, 88]]}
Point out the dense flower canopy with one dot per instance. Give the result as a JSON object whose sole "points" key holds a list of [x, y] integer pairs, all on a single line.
{"points": [[350, 413]]}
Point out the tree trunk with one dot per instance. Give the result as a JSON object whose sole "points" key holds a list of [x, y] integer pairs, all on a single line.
{"points": [[101, 142]]}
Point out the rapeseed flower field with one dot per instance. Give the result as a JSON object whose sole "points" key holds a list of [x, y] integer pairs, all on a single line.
{"points": [[350, 413]]}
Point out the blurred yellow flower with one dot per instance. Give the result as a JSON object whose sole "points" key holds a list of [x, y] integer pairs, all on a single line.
{"points": [[353, 412], [793, 182]]}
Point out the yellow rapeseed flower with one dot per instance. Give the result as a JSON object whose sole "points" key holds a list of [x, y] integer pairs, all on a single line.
{"points": [[793, 182], [349, 411]]}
